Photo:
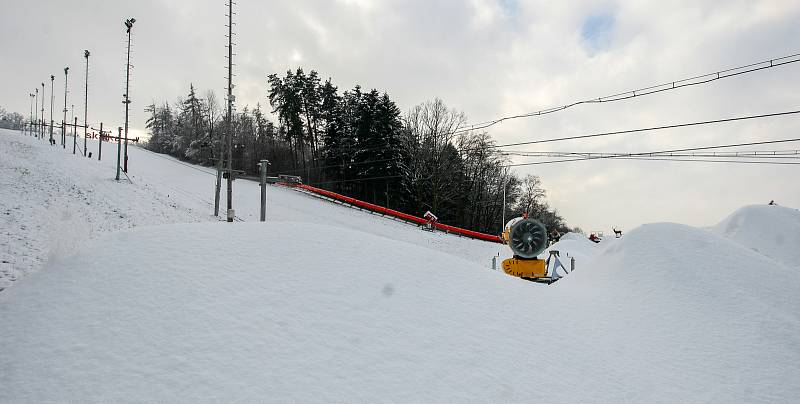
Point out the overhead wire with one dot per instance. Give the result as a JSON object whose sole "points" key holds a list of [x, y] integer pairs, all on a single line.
{"points": [[647, 129], [653, 89], [643, 155], [788, 154]]}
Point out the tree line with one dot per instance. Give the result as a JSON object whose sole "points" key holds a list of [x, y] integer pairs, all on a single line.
{"points": [[11, 120], [358, 143]]}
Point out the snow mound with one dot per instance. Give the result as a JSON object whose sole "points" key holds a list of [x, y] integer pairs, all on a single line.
{"points": [[574, 236], [769, 229], [573, 245], [303, 312]]}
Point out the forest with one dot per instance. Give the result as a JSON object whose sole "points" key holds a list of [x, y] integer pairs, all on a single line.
{"points": [[11, 120], [358, 143]]}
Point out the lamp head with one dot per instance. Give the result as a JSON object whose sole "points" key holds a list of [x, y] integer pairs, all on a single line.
{"points": [[129, 23], [66, 70], [86, 54]]}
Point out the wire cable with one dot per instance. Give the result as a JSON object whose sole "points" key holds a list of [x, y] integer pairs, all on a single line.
{"points": [[652, 128], [687, 82], [658, 152]]}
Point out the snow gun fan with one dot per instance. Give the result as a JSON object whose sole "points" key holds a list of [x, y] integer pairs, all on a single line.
{"points": [[527, 239]]}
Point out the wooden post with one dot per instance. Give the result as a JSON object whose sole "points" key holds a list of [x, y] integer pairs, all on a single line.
{"points": [[100, 143]]}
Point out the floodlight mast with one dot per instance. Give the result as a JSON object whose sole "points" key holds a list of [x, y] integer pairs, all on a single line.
{"points": [[34, 111], [41, 130], [52, 98], [64, 124], [129, 25], [231, 214], [86, 103]]}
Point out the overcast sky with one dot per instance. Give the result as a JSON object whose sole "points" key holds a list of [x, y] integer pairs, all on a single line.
{"points": [[487, 58]]}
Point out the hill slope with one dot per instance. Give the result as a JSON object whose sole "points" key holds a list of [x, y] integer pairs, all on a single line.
{"points": [[325, 303]]}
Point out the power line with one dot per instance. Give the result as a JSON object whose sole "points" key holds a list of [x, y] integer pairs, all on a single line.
{"points": [[638, 155], [787, 154], [672, 85], [623, 156], [652, 128], [711, 161], [662, 127], [601, 134]]}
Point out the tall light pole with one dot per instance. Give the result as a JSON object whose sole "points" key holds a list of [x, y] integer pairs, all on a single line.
{"points": [[52, 95], [74, 133], [30, 129], [229, 125], [43, 124], [86, 103], [128, 25], [35, 112], [40, 131], [64, 123]]}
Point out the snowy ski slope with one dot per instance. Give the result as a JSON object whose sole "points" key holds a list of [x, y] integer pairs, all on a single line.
{"points": [[328, 304]]}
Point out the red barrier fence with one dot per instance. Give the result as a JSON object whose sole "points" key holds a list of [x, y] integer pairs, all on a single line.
{"points": [[399, 215]]}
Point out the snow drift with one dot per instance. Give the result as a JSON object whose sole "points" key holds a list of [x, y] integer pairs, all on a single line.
{"points": [[768, 229]]}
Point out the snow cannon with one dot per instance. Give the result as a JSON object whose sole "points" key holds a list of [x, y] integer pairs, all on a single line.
{"points": [[527, 239]]}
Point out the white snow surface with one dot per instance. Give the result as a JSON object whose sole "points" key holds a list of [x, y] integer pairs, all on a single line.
{"points": [[328, 304], [771, 230]]}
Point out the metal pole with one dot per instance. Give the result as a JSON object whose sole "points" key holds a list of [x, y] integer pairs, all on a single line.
{"points": [[74, 133], [64, 124], [231, 213], [100, 143], [41, 133], [129, 25], [30, 127], [86, 103], [263, 164], [119, 150], [218, 186], [35, 97], [52, 95], [503, 225]]}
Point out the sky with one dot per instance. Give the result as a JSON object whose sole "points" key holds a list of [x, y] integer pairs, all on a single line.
{"points": [[487, 58]]}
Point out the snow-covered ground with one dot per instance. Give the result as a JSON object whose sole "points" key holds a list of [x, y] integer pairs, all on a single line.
{"points": [[328, 304], [54, 201]]}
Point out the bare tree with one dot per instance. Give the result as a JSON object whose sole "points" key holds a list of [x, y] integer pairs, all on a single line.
{"points": [[531, 193], [432, 166]]}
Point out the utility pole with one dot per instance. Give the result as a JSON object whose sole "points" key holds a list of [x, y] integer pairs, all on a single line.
{"points": [[35, 112], [263, 165], [35, 98], [218, 185], [52, 95], [86, 103], [128, 24], [503, 224], [64, 122], [119, 149], [74, 130], [229, 129], [30, 128], [100, 143], [42, 119]]}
